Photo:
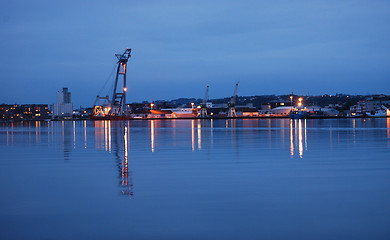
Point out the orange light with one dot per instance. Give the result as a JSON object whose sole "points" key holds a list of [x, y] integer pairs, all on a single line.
{"points": [[300, 99], [124, 89], [291, 97]]}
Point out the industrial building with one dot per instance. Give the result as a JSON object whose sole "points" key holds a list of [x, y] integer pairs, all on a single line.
{"points": [[63, 107]]}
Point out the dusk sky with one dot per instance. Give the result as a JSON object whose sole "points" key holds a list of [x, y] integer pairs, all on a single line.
{"points": [[179, 47]]}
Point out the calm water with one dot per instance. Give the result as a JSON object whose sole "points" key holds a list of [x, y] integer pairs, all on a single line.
{"points": [[196, 179]]}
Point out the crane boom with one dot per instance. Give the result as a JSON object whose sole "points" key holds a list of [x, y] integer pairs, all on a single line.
{"points": [[203, 105], [234, 97], [232, 103]]}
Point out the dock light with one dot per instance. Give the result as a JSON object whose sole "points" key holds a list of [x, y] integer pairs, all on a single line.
{"points": [[124, 89]]}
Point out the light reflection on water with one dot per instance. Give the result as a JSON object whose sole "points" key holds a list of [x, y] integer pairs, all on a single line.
{"points": [[213, 171], [70, 131], [152, 134], [388, 127], [297, 132]]}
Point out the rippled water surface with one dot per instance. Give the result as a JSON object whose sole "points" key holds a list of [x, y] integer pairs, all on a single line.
{"points": [[196, 179]]}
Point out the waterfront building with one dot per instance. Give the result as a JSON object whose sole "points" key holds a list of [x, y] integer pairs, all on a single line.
{"points": [[63, 106], [377, 102], [250, 112], [372, 105], [24, 112], [358, 109]]}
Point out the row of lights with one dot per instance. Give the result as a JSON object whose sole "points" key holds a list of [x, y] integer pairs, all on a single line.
{"points": [[291, 98], [152, 105]]}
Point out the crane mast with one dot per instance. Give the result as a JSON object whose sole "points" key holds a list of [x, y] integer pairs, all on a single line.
{"points": [[232, 103], [203, 106], [116, 106], [118, 100]]}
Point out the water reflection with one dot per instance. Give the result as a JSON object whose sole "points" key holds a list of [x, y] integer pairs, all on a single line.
{"points": [[121, 146], [67, 136], [291, 139], [354, 130], [85, 133], [298, 138], [37, 131], [126, 183], [199, 135], [99, 134], [388, 127], [212, 131], [193, 134], [104, 140], [152, 135], [231, 135]]}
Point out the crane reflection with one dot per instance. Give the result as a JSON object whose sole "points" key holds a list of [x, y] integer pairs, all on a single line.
{"points": [[126, 183], [119, 144]]}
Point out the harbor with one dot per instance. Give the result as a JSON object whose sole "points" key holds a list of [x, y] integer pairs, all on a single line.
{"points": [[172, 120], [114, 105]]}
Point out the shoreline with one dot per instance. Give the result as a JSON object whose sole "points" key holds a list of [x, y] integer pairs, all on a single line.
{"points": [[192, 118]]}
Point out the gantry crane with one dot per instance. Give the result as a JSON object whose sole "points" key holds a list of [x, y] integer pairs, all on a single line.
{"points": [[118, 100], [203, 105], [117, 105], [232, 103]]}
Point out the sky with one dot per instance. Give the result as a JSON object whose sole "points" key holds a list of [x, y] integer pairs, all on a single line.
{"points": [[179, 47]]}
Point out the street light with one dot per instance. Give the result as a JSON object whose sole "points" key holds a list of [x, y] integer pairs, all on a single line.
{"points": [[300, 101], [291, 97], [192, 105], [151, 105]]}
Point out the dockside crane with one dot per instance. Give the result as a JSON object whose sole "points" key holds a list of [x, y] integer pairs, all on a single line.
{"points": [[118, 100], [117, 105], [203, 105], [232, 103]]}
